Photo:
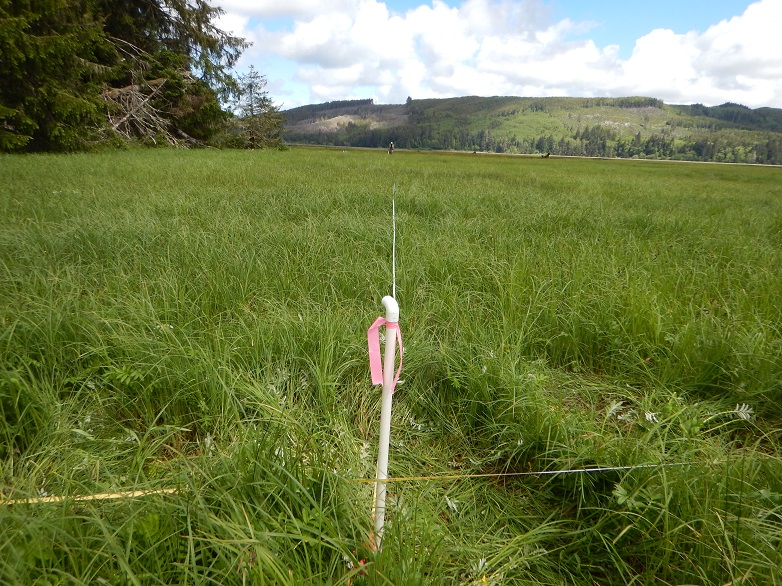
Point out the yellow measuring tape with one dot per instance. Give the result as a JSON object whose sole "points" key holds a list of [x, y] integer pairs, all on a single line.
{"points": [[507, 474], [104, 496], [141, 493]]}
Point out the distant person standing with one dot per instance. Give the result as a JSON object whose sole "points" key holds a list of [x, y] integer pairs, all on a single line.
{"points": [[391, 149]]}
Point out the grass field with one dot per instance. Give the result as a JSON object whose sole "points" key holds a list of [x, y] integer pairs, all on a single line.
{"points": [[197, 321]]}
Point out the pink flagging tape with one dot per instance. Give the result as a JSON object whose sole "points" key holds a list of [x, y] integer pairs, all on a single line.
{"points": [[375, 361]]}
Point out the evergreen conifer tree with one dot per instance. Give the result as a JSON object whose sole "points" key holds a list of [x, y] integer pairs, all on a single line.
{"points": [[259, 123]]}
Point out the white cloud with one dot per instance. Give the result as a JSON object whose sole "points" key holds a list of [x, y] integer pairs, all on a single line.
{"points": [[662, 65], [234, 22], [347, 48], [745, 45], [289, 9], [505, 17], [734, 60]]}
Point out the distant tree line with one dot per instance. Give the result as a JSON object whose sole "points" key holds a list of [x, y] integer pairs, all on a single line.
{"points": [[739, 116], [730, 132], [631, 102], [594, 141]]}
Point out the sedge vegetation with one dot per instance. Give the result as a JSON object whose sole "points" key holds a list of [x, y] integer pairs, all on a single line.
{"points": [[197, 320]]}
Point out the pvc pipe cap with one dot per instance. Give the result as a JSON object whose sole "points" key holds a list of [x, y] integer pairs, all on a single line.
{"points": [[392, 308]]}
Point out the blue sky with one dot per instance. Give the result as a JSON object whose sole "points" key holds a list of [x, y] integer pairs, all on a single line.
{"points": [[624, 22], [684, 51]]}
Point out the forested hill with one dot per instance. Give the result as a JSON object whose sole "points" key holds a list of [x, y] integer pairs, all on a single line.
{"points": [[631, 127]]}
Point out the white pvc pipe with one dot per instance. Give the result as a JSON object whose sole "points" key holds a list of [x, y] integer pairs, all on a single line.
{"points": [[392, 316]]}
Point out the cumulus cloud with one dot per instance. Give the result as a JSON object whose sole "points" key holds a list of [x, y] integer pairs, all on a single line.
{"points": [[362, 48], [303, 9], [733, 60]]}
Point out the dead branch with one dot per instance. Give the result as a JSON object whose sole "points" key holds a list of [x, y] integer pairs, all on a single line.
{"points": [[132, 114]]}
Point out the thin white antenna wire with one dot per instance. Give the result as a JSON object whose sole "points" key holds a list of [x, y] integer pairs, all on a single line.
{"points": [[393, 247]]}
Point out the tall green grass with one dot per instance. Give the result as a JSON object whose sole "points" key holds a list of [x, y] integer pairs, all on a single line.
{"points": [[197, 320]]}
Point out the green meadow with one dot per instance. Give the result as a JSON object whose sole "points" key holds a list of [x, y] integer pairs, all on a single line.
{"points": [[195, 322]]}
